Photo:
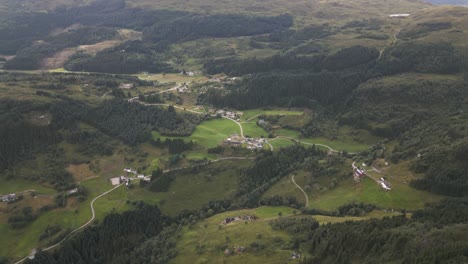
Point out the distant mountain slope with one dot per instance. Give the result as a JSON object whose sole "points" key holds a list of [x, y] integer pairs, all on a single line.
{"points": [[449, 2]]}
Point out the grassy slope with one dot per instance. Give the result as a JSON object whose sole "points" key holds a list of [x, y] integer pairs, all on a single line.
{"points": [[341, 143], [212, 236], [19, 185], [252, 113], [400, 197], [191, 191], [251, 129], [210, 133]]}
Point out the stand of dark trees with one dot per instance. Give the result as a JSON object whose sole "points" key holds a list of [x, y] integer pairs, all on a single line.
{"points": [[196, 26], [446, 171], [174, 145], [343, 59], [269, 168], [436, 234], [19, 139], [29, 58], [286, 89], [113, 241], [130, 122], [160, 29], [303, 81], [129, 57]]}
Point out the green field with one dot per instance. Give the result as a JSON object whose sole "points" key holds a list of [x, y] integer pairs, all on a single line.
{"points": [[192, 190], [206, 241], [213, 238], [322, 196], [280, 142], [376, 214], [251, 114], [368, 191], [210, 133], [172, 78], [251, 129], [340, 144], [20, 185]]}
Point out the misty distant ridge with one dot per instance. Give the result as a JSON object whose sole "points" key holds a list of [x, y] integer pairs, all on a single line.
{"points": [[449, 2]]}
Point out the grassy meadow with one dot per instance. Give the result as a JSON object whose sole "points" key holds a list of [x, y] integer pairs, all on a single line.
{"points": [[206, 241], [209, 133]]}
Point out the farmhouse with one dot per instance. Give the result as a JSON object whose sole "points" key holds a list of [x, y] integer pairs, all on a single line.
{"points": [[183, 88], [130, 170], [72, 191], [115, 181], [295, 255], [385, 184], [233, 142], [238, 218], [147, 178], [8, 198], [126, 86]]}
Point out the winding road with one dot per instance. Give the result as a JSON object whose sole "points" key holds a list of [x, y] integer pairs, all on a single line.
{"points": [[299, 187], [93, 213], [242, 130]]}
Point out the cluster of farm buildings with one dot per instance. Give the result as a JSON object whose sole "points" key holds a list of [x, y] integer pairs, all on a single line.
{"points": [[360, 173], [9, 198], [230, 114], [252, 143], [126, 179]]}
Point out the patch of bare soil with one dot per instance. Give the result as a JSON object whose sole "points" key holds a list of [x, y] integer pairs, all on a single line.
{"points": [[59, 31], [58, 59], [95, 48]]}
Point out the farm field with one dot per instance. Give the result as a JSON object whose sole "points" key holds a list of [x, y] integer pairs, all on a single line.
{"points": [[322, 196], [253, 113], [213, 238], [368, 191], [172, 77], [280, 142], [251, 129], [340, 144], [20, 185], [209, 133], [192, 190], [206, 241]]}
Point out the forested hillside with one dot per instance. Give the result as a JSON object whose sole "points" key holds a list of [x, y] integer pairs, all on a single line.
{"points": [[170, 131]]}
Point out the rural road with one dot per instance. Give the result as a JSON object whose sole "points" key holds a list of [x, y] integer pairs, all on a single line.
{"points": [[79, 228], [305, 194], [104, 95], [239, 124], [242, 130], [93, 213], [271, 146], [200, 113]]}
